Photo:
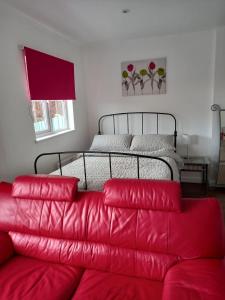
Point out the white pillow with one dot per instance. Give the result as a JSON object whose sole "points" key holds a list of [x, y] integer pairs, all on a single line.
{"points": [[151, 142], [111, 142]]}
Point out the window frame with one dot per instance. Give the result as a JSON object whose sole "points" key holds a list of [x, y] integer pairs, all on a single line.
{"points": [[50, 132], [46, 117]]}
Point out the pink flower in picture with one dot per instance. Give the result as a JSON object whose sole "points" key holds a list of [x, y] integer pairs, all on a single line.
{"points": [[144, 77], [152, 66], [130, 67]]}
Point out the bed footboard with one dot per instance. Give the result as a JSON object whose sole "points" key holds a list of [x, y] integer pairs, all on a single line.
{"points": [[85, 154]]}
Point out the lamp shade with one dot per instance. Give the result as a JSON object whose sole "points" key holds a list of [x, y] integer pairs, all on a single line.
{"points": [[186, 139]]}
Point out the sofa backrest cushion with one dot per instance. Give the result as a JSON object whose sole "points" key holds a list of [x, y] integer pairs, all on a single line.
{"points": [[88, 233], [45, 187], [198, 231], [98, 256], [143, 194]]}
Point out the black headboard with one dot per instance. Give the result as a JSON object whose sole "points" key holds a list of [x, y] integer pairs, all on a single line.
{"points": [[127, 114]]}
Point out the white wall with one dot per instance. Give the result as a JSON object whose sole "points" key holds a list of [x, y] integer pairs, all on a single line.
{"points": [[17, 140], [190, 77], [219, 91], [193, 60], [219, 87]]}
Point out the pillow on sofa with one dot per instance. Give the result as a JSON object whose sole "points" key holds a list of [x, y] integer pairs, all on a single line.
{"points": [[111, 142], [146, 194], [45, 187], [151, 142]]}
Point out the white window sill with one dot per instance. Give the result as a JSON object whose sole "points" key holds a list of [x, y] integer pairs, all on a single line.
{"points": [[50, 136]]}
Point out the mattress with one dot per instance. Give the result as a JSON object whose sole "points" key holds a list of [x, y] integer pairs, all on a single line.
{"points": [[98, 168]]}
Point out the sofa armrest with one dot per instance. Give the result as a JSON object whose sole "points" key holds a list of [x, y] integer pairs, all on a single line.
{"points": [[6, 247], [196, 279]]}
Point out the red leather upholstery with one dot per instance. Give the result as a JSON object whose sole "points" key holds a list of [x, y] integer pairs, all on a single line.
{"points": [[143, 194], [97, 285], [146, 243], [199, 231], [88, 220], [45, 187], [6, 247], [29, 279], [196, 279], [97, 256], [5, 190]]}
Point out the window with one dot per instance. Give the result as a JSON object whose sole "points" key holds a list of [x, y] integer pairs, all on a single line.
{"points": [[52, 117]]}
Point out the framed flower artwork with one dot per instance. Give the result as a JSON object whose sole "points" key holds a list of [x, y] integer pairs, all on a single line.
{"points": [[144, 77]]}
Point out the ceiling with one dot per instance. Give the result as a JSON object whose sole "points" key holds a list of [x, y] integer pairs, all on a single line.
{"points": [[99, 20]]}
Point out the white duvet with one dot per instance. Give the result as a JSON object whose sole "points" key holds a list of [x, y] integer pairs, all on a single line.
{"points": [[98, 171]]}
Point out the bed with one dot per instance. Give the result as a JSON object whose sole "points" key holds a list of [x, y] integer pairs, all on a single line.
{"points": [[128, 145]]}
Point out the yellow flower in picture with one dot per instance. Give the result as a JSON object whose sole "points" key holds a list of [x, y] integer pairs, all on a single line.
{"points": [[161, 71]]}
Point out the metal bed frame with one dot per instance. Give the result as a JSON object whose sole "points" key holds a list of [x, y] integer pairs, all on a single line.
{"points": [[157, 114], [84, 154], [110, 155]]}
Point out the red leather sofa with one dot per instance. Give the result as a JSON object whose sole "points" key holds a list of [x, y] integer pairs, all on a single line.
{"points": [[135, 240]]}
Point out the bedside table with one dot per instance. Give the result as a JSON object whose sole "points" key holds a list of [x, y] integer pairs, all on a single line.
{"points": [[200, 165]]}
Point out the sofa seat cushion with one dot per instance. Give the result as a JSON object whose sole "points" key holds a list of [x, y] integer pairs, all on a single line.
{"points": [[196, 280], [30, 279], [96, 285]]}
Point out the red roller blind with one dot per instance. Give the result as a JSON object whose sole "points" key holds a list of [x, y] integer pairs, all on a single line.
{"points": [[49, 77]]}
